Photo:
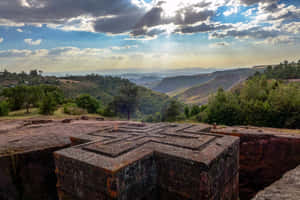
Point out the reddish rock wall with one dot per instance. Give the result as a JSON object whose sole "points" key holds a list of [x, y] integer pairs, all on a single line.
{"points": [[287, 188], [28, 176], [27, 170], [265, 155]]}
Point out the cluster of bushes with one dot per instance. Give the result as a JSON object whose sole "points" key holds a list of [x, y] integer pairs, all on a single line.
{"points": [[73, 109], [173, 111], [260, 102], [176, 111], [106, 89], [49, 98], [45, 97], [4, 108], [284, 70]]}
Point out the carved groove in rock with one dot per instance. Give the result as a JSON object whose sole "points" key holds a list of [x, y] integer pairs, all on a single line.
{"points": [[149, 161]]}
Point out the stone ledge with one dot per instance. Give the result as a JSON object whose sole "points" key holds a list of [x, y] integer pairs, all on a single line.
{"points": [[287, 188], [265, 155]]}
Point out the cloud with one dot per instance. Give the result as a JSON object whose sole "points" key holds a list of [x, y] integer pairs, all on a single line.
{"points": [[32, 42], [20, 30], [203, 27], [231, 11], [252, 33], [182, 15], [14, 53], [282, 39], [252, 2], [87, 15], [219, 45], [293, 27], [112, 17], [74, 51], [1, 39], [144, 20], [118, 48]]}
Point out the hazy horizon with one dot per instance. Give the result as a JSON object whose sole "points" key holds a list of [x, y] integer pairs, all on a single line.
{"points": [[141, 72]]}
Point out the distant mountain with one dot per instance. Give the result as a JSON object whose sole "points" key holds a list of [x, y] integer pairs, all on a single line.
{"points": [[197, 88], [146, 80], [180, 82]]}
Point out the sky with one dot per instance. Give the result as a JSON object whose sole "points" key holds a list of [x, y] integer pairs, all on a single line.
{"points": [[91, 35]]}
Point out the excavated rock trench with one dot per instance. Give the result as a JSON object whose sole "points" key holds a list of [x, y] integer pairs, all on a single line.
{"points": [[27, 169], [265, 155]]}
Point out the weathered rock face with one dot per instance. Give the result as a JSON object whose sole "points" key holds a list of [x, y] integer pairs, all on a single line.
{"points": [[28, 176], [149, 161], [27, 170], [265, 155], [139, 161], [287, 188]]}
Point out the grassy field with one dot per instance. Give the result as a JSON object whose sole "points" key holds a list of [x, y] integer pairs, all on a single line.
{"points": [[34, 113]]}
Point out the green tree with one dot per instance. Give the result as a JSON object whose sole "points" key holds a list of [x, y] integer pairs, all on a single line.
{"points": [[224, 109], [34, 72], [16, 96], [32, 97], [195, 110], [127, 102], [108, 111], [187, 112], [23, 96], [4, 108], [48, 104], [172, 112], [88, 102], [73, 109]]}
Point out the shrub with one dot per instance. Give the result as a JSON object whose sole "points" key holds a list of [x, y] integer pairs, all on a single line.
{"points": [[73, 109], [195, 110], [48, 105], [4, 108], [108, 111], [187, 112], [153, 118], [172, 112], [88, 102]]}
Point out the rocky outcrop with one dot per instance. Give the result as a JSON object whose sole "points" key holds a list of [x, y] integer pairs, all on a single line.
{"points": [[27, 169], [265, 155], [287, 188], [134, 161]]}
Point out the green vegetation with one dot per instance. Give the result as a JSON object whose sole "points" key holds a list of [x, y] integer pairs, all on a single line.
{"points": [[195, 110], [261, 102], [266, 99], [34, 77], [88, 102], [48, 104], [23, 96], [94, 93], [126, 103], [73, 109], [4, 108], [284, 70], [187, 113], [173, 112], [196, 89]]}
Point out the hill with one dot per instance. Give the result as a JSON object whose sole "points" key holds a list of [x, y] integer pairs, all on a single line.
{"points": [[179, 82], [199, 94], [104, 88], [196, 89]]}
